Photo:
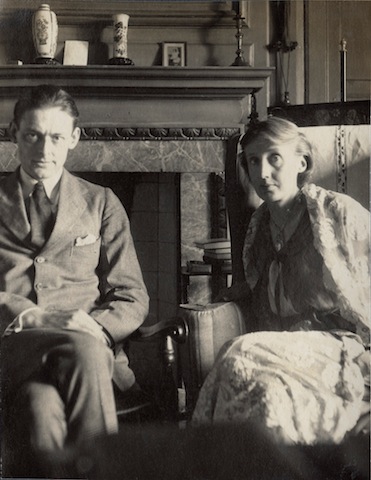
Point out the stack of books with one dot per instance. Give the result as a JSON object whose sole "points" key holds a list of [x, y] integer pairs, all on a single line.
{"points": [[216, 250]]}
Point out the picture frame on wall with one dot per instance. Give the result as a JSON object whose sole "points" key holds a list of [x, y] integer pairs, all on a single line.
{"points": [[174, 54]]}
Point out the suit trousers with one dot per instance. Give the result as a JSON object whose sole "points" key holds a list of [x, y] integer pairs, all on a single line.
{"points": [[56, 390]]}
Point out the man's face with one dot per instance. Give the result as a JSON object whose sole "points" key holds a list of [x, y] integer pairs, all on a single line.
{"points": [[44, 137]]}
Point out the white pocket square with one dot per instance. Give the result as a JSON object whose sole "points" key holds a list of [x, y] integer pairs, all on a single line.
{"points": [[87, 240]]}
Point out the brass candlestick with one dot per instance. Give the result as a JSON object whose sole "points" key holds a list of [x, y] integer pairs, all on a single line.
{"points": [[239, 60]]}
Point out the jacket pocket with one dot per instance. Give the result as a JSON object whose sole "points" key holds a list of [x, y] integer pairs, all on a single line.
{"points": [[86, 253]]}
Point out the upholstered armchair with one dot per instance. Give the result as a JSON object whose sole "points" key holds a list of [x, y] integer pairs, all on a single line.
{"points": [[342, 164]]}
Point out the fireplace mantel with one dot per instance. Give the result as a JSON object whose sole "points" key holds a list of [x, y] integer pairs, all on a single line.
{"points": [[138, 96], [110, 80]]}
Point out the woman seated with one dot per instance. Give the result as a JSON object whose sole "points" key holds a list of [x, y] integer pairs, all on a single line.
{"points": [[304, 373]]}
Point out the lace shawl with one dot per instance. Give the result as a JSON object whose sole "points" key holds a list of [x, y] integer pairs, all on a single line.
{"points": [[340, 228]]}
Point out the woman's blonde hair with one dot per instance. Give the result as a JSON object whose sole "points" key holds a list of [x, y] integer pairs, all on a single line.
{"points": [[280, 130]]}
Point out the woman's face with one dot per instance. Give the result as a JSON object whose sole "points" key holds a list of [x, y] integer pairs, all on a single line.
{"points": [[273, 169]]}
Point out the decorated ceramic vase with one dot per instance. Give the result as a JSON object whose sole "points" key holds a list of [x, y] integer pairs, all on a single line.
{"points": [[120, 35], [120, 40], [45, 34]]}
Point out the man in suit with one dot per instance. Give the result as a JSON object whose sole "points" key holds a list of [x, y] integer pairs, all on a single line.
{"points": [[71, 288]]}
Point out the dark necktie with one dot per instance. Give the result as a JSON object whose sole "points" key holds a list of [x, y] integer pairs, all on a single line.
{"points": [[41, 216]]}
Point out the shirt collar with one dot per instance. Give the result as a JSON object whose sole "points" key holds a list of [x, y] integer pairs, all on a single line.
{"points": [[28, 183]]}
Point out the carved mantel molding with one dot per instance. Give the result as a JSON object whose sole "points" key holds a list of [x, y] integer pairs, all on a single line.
{"points": [[145, 133]]}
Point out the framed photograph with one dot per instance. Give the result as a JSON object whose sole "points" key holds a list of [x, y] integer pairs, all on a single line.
{"points": [[174, 54]]}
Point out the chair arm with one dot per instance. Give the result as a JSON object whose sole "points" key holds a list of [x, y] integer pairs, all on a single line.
{"points": [[175, 328], [206, 329], [200, 332]]}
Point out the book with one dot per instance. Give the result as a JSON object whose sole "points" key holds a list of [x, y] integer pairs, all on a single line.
{"points": [[217, 256], [217, 250], [212, 243], [219, 266], [195, 266]]}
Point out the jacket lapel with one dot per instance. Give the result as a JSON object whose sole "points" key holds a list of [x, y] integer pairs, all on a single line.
{"points": [[12, 207]]}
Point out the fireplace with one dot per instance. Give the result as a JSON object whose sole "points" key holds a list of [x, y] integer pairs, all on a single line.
{"points": [[156, 136]]}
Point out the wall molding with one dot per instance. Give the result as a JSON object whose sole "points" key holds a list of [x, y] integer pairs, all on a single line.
{"points": [[142, 14]]}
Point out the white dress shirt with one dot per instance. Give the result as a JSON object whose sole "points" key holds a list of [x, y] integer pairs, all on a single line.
{"points": [[51, 186]]}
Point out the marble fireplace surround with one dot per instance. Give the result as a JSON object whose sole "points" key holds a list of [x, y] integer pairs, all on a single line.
{"points": [[148, 120]]}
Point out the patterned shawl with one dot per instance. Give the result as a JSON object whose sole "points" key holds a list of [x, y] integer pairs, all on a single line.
{"points": [[340, 228]]}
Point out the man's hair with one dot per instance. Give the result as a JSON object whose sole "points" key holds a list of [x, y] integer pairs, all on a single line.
{"points": [[281, 130], [45, 96]]}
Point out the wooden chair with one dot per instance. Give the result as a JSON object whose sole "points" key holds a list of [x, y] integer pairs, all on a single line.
{"points": [[158, 405]]}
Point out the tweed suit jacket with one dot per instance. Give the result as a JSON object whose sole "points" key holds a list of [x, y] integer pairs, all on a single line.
{"points": [[88, 262]]}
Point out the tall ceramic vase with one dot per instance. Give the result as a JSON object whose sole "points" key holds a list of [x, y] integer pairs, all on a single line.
{"points": [[45, 34], [120, 40]]}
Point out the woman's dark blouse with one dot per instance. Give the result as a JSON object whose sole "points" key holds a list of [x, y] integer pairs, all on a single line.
{"points": [[314, 306]]}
